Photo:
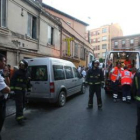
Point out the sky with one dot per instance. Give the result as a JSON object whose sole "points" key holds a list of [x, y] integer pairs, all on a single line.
{"points": [[103, 12]]}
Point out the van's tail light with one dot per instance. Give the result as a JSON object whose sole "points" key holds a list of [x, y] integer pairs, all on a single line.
{"points": [[52, 88]]}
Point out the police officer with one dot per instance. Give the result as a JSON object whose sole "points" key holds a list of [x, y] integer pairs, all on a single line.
{"points": [[19, 85], [136, 92], [94, 79], [4, 88]]}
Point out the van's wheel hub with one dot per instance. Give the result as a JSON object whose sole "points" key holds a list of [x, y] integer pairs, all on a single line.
{"points": [[62, 99]]}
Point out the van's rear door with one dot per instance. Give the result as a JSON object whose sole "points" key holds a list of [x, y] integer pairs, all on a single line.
{"points": [[39, 79]]}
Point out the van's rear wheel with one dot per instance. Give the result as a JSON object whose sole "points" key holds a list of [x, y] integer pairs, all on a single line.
{"points": [[61, 99]]}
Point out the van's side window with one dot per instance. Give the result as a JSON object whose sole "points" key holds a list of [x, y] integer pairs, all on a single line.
{"points": [[58, 72], [38, 73], [69, 73], [76, 73]]}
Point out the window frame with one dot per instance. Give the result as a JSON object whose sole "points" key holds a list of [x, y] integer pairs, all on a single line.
{"points": [[61, 67], [82, 53], [33, 74], [116, 43], [104, 38], [3, 25], [131, 42], [104, 46], [50, 39], [123, 43], [76, 50], [76, 71], [104, 30], [65, 67], [30, 27]]}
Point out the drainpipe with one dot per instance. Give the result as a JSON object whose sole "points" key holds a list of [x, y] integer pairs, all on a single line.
{"points": [[39, 30], [17, 58], [61, 43]]}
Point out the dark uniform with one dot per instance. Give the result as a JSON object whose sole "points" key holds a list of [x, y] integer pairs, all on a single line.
{"points": [[2, 108], [2, 112], [19, 84], [94, 79], [136, 90]]}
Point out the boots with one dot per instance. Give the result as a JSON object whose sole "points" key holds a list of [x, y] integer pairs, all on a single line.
{"points": [[90, 106], [99, 106]]}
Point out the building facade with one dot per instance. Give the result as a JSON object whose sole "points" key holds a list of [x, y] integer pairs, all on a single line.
{"points": [[100, 38], [74, 45], [126, 42], [27, 31]]}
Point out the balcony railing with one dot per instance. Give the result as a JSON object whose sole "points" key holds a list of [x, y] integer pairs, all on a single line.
{"points": [[72, 57]]}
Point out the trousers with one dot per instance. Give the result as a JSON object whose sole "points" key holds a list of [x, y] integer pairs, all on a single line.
{"points": [[115, 88], [20, 104], [95, 89], [126, 92], [2, 112]]}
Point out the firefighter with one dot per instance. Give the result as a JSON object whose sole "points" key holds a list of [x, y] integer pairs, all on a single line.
{"points": [[136, 92], [114, 77], [126, 82], [94, 79], [19, 84]]}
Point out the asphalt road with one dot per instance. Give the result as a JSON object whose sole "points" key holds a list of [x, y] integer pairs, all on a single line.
{"points": [[116, 121]]}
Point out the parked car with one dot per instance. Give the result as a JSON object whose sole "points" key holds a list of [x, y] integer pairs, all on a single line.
{"points": [[53, 79]]}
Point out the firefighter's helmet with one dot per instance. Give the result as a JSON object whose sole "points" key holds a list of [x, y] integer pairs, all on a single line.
{"points": [[23, 62], [95, 61]]}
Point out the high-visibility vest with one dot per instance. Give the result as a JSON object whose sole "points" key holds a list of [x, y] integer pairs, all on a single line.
{"points": [[126, 77], [114, 74], [128, 63]]}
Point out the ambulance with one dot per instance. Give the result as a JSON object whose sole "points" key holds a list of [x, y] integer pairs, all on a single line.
{"points": [[119, 56]]}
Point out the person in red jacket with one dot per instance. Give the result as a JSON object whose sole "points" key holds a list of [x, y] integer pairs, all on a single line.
{"points": [[128, 63], [126, 82], [114, 77]]}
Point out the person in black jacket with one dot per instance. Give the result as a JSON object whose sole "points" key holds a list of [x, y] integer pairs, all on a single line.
{"points": [[19, 85], [95, 80], [136, 92]]}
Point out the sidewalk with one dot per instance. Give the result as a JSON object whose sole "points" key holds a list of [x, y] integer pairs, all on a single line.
{"points": [[10, 107]]}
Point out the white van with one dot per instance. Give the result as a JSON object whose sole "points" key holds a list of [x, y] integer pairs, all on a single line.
{"points": [[53, 79]]}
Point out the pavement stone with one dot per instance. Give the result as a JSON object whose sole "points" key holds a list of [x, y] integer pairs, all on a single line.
{"points": [[10, 107]]}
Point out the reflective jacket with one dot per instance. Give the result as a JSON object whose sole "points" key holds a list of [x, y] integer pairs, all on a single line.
{"points": [[115, 74], [94, 77], [136, 87], [126, 77], [20, 81]]}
